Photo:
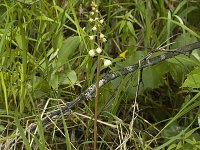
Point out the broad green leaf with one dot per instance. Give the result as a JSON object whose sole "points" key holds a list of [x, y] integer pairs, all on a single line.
{"points": [[69, 78], [68, 48], [183, 39], [54, 80], [131, 29], [57, 41], [39, 87], [2, 128], [122, 24], [192, 81], [196, 54]]}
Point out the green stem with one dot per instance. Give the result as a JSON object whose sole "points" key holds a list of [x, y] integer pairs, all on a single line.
{"points": [[96, 102]]}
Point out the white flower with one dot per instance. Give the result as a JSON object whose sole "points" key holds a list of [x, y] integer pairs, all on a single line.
{"points": [[94, 28], [107, 62], [93, 8], [103, 40], [96, 19], [98, 50], [96, 10], [91, 20], [101, 21], [91, 37], [93, 4], [92, 13], [101, 36], [91, 53]]}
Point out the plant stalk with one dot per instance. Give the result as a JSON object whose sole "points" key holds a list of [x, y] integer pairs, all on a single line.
{"points": [[96, 102]]}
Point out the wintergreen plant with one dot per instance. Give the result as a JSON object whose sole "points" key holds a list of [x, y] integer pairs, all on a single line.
{"points": [[97, 39]]}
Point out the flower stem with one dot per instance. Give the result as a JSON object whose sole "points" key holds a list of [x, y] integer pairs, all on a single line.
{"points": [[96, 102]]}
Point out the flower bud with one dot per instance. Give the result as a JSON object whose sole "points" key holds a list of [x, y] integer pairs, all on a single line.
{"points": [[98, 50]]}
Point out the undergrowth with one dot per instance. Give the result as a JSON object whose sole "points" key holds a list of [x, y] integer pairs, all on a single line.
{"points": [[45, 63]]}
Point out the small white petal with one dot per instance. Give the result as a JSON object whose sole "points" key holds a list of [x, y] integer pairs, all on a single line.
{"points": [[98, 50], [94, 28], [93, 4], [91, 20], [101, 21], [104, 40], [92, 13], [107, 62], [91, 37], [91, 53], [96, 19], [102, 36]]}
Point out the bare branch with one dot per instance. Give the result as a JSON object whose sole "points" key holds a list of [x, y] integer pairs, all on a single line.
{"points": [[87, 94]]}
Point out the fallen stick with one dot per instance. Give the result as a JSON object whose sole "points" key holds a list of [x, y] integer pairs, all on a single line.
{"points": [[87, 94]]}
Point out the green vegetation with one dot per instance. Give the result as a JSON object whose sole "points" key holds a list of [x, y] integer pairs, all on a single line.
{"points": [[45, 63]]}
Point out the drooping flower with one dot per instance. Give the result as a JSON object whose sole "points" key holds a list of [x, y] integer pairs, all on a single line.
{"points": [[92, 13], [101, 36], [94, 28], [96, 19], [91, 53], [91, 20], [103, 40], [98, 50], [91, 37], [101, 21], [93, 4], [107, 62]]}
